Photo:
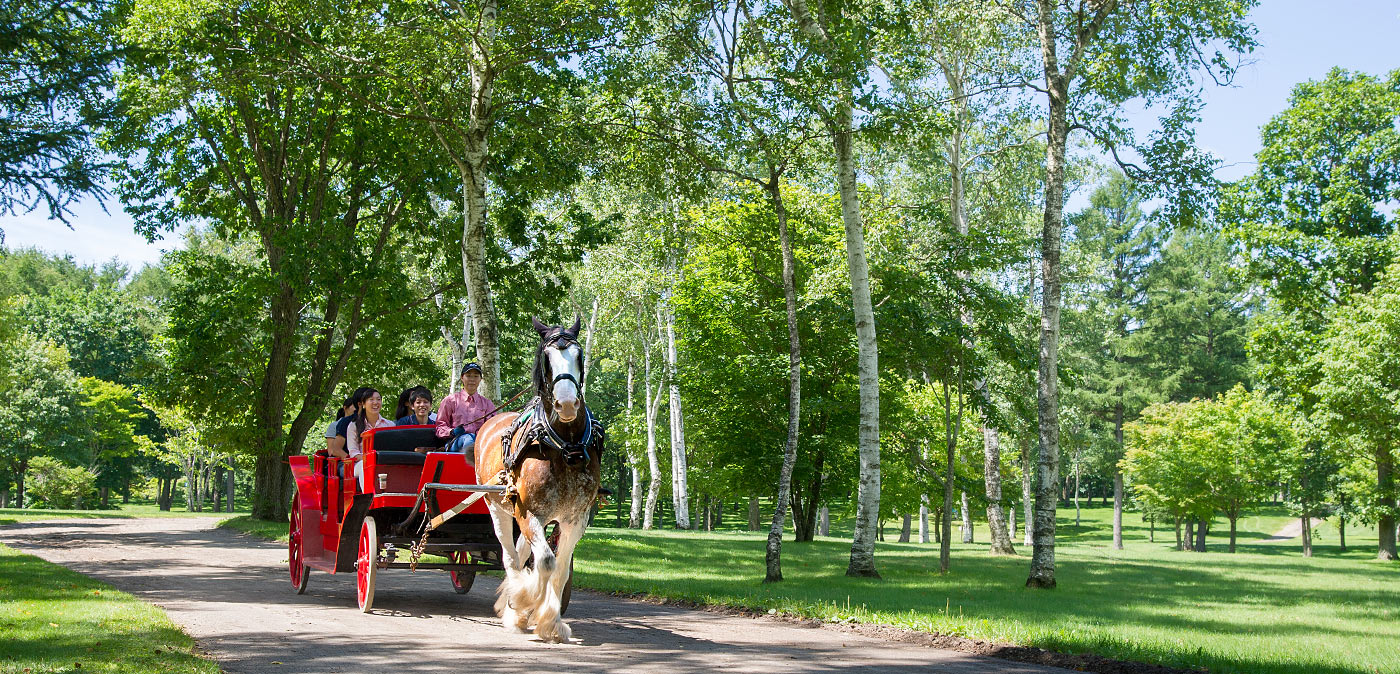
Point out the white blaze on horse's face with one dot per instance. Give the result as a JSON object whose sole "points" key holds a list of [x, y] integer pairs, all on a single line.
{"points": [[566, 392]]}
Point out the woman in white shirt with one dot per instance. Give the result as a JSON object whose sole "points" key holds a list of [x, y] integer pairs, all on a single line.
{"points": [[367, 418]]}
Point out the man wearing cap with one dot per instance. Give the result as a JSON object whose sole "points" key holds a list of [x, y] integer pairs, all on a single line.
{"points": [[461, 414]]}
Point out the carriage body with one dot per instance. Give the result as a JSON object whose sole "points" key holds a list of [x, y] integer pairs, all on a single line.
{"points": [[338, 527]]}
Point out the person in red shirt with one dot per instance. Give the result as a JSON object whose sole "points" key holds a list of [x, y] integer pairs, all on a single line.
{"points": [[461, 414]]}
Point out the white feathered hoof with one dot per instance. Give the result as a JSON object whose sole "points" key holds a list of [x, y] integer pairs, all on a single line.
{"points": [[553, 631]]}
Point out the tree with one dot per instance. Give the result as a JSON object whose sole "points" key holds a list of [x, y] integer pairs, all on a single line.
{"points": [[1358, 392], [1195, 322], [39, 386], [1116, 238], [295, 170], [111, 416], [57, 60], [1096, 56], [842, 39], [1315, 232]]}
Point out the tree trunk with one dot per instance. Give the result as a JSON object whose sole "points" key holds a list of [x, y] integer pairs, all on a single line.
{"points": [[868, 493], [1307, 535], [923, 518], [755, 516], [1076, 491], [824, 521], [1179, 546], [1342, 528], [1011, 520], [1385, 487], [634, 516], [588, 349], [472, 168], [1042, 572], [1117, 509], [966, 519], [945, 553], [1202, 528], [653, 402], [1234, 518], [773, 553], [458, 347], [679, 492], [231, 487], [1027, 502], [904, 530], [1190, 543], [1151, 529], [999, 524]]}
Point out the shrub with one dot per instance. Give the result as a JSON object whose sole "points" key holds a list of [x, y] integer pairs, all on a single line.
{"points": [[51, 484]]}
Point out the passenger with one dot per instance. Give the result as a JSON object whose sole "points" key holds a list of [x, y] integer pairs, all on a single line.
{"points": [[463, 412], [368, 418], [420, 405], [402, 409], [335, 434]]}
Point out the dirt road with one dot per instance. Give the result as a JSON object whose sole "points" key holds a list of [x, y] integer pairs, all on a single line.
{"points": [[231, 593]]}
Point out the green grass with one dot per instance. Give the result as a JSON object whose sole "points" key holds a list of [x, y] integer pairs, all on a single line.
{"points": [[56, 620], [15, 515], [1263, 609], [272, 531]]}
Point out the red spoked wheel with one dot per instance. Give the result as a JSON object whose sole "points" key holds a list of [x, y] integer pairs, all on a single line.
{"points": [[295, 560], [366, 565], [461, 580]]}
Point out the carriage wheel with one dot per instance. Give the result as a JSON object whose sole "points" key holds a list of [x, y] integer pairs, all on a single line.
{"points": [[461, 580], [295, 560], [366, 565]]}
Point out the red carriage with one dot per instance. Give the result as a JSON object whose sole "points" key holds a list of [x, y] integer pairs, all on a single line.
{"points": [[409, 488]]}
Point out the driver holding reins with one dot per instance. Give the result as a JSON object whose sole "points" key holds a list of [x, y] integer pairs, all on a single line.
{"points": [[461, 414]]}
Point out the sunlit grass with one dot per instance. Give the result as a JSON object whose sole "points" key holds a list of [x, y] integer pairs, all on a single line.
{"points": [[55, 620], [13, 515], [1263, 609]]}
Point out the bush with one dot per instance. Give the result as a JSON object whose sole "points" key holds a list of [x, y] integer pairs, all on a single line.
{"points": [[50, 484]]}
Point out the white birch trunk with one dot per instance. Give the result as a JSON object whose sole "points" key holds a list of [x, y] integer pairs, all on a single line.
{"points": [[588, 350], [653, 403], [773, 551], [966, 518], [679, 492], [634, 518]]}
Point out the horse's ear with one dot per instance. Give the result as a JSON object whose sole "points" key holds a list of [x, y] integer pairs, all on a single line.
{"points": [[539, 327], [574, 330]]}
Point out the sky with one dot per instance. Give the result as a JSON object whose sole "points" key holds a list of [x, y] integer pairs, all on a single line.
{"points": [[1298, 40]]}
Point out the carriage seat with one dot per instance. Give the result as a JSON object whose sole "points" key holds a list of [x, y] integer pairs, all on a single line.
{"points": [[393, 458]]}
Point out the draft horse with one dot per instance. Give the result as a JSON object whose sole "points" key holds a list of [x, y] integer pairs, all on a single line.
{"points": [[549, 457]]}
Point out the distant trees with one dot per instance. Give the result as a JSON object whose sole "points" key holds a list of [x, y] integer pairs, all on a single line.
{"points": [[1195, 459]]}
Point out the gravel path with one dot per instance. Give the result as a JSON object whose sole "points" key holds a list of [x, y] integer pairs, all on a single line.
{"points": [[230, 592], [1293, 529]]}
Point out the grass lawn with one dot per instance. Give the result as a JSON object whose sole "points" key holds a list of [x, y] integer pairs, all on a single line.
{"points": [[56, 620], [272, 531], [1263, 609], [14, 515]]}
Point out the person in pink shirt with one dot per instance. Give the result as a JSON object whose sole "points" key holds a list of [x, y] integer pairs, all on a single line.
{"points": [[461, 414]]}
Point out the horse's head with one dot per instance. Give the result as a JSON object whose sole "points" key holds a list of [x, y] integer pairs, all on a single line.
{"points": [[559, 369]]}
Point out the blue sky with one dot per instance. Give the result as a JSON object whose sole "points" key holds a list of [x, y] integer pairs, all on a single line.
{"points": [[1298, 41]]}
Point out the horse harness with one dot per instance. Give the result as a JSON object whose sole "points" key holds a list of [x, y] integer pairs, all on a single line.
{"points": [[539, 435]]}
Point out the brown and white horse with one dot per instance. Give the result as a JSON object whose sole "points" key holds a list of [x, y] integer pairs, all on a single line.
{"points": [[556, 479]]}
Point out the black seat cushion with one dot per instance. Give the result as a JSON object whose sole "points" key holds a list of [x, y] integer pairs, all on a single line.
{"points": [[404, 440], [399, 458]]}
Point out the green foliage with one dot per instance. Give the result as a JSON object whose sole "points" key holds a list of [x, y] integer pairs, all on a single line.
{"points": [[39, 407], [1197, 458], [57, 61], [1358, 393], [1313, 217], [51, 484]]}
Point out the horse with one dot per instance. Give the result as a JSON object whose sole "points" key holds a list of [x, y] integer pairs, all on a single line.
{"points": [[554, 479]]}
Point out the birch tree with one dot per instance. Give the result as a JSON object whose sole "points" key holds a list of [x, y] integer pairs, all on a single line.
{"points": [[1095, 55]]}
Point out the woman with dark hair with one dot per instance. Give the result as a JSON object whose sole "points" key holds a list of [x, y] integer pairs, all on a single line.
{"points": [[420, 408], [366, 419], [335, 433]]}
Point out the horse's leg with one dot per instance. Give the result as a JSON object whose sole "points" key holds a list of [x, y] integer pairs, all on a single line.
{"points": [[550, 608], [536, 587], [502, 520]]}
